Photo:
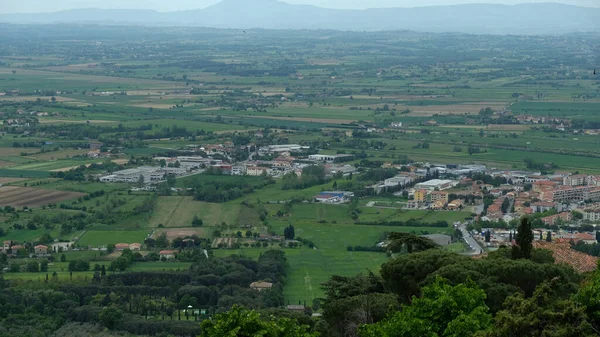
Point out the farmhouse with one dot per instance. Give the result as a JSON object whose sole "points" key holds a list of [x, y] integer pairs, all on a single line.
{"points": [[15, 249], [260, 286], [41, 250], [135, 246], [167, 254], [121, 246]]}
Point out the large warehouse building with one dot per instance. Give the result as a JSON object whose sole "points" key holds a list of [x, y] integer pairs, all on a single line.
{"points": [[435, 184]]}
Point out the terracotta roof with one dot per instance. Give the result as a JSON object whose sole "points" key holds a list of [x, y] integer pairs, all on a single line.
{"points": [[585, 236], [40, 247], [543, 204], [563, 253], [168, 252]]}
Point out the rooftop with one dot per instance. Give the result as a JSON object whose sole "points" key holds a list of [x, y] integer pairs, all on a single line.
{"points": [[563, 253]]}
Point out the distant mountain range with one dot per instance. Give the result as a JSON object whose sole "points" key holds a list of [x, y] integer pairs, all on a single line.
{"points": [[541, 18]]}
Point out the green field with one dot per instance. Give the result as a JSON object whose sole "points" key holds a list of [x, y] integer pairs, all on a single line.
{"points": [[106, 237], [178, 211], [27, 235], [311, 267]]}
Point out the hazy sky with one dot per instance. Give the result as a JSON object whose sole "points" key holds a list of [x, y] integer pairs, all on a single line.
{"points": [[32, 6]]}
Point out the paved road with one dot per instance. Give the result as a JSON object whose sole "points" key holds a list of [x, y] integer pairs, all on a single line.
{"points": [[477, 249]]}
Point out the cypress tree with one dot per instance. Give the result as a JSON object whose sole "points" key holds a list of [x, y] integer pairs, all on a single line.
{"points": [[524, 239]]}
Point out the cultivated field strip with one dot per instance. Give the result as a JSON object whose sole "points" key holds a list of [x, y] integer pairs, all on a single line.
{"points": [[32, 197]]}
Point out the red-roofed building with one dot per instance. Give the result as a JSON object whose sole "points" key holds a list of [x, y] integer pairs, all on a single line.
{"points": [[586, 238], [543, 185], [168, 254], [543, 206], [551, 220], [135, 246], [41, 250], [121, 246], [527, 210], [563, 253], [15, 249]]}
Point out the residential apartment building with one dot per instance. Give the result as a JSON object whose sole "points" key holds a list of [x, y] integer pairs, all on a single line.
{"points": [[256, 171], [551, 220], [440, 196], [576, 180], [420, 195], [591, 214]]}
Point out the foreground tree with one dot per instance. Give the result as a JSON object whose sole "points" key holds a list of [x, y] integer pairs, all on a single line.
{"points": [[354, 301], [409, 242], [442, 310], [546, 313], [589, 296], [524, 239], [240, 322]]}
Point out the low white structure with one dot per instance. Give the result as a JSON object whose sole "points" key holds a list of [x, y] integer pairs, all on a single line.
{"points": [[331, 157], [436, 184], [149, 174], [282, 148], [256, 171], [238, 170]]}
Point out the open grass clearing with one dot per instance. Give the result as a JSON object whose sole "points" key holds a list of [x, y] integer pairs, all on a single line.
{"points": [[173, 233], [309, 268], [105, 237], [175, 211]]}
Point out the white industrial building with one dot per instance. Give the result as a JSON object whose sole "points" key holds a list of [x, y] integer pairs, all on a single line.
{"points": [[149, 173], [330, 158], [436, 184], [282, 148]]}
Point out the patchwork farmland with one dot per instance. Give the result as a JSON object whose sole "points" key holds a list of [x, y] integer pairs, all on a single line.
{"points": [[33, 197]]}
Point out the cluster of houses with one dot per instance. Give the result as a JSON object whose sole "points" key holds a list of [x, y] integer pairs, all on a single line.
{"points": [[12, 248], [283, 162]]}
